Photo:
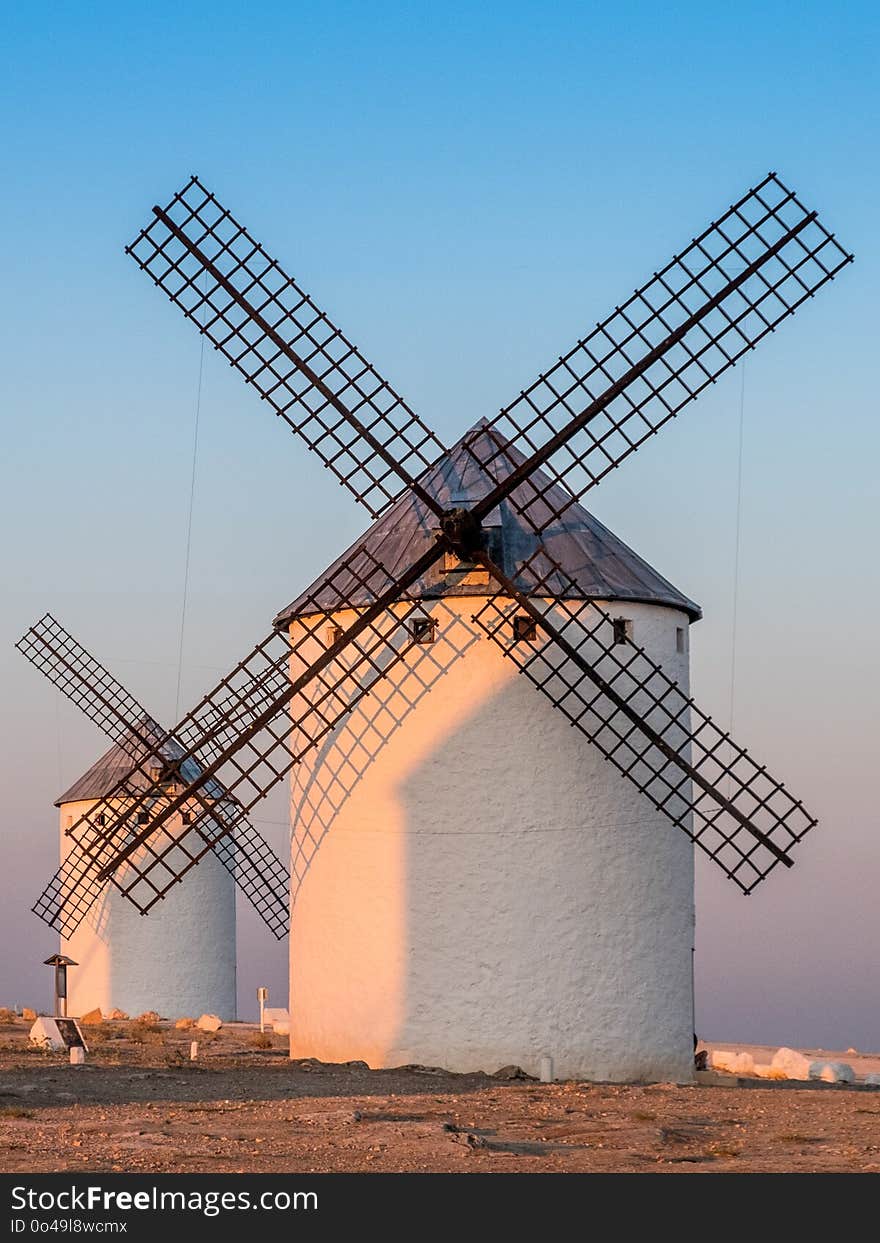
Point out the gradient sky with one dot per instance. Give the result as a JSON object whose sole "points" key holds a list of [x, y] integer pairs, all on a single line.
{"points": [[465, 189]]}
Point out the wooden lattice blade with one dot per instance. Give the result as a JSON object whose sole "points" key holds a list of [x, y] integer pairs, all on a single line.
{"points": [[272, 332], [625, 704], [255, 867], [619, 385], [248, 720]]}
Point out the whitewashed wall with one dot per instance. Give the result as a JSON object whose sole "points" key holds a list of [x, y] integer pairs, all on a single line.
{"points": [[473, 885], [178, 960]]}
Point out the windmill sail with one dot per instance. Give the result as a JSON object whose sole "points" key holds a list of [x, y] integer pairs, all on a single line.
{"points": [[246, 855], [246, 721], [643, 722], [285, 346], [615, 389], [732, 286]]}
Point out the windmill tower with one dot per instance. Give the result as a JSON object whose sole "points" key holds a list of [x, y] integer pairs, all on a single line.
{"points": [[183, 960], [481, 873], [472, 887], [180, 962]]}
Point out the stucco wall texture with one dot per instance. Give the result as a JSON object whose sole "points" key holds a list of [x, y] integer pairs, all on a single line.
{"points": [[474, 886], [178, 960]]}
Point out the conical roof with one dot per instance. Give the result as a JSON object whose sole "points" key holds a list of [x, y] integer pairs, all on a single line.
{"points": [[600, 564], [106, 773]]}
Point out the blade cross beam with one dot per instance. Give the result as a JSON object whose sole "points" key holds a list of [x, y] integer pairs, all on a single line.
{"points": [[734, 284]]}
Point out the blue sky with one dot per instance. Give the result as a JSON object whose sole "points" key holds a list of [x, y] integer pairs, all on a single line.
{"points": [[465, 189]]}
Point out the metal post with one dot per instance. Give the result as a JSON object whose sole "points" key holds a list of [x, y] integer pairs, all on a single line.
{"points": [[262, 998], [60, 962]]}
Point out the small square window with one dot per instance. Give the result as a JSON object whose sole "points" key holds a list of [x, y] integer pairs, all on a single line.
{"points": [[623, 629], [334, 634], [423, 629], [143, 817], [100, 820], [680, 638], [525, 629], [186, 817]]}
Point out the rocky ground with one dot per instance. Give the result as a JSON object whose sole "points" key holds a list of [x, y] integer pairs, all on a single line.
{"points": [[140, 1105]]}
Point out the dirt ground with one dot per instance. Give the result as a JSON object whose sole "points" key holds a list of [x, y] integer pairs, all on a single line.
{"points": [[140, 1105]]}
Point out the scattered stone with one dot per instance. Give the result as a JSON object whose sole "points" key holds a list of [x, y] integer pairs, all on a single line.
{"points": [[209, 1023], [512, 1072], [148, 1016], [720, 1059], [873, 1079], [184, 1024], [765, 1071], [832, 1072], [701, 1060], [331, 1115], [275, 1014], [29, 1014], [733, 1063], [117, 1014], [794, 1064], [92, 1017], [281, 1029]]}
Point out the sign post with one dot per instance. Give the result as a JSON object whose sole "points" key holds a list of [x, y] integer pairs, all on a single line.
{"points": [[262, 998]]}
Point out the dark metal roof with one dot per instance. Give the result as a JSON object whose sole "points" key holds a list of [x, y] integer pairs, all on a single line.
{"points": [[601, 565], [106, 772]]}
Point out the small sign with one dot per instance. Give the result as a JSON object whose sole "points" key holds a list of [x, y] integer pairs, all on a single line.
{"points": [[58, 1033], [69, 1031]]}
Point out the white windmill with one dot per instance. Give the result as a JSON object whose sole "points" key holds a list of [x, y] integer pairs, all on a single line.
{"points": [[183, 960], [475, 881]]}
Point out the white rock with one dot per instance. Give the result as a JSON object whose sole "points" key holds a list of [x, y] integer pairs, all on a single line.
{"points": [[793, 1064], [832, 1072], [765, 1071], [720, 1059], [873, 1078], [209, 1023], [45, 1034], [281, 1028], [276, 1014], [734, 1063]]}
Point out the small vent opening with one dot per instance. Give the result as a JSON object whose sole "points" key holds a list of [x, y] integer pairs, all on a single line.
{"points": [[623, 629], [525, 629], [423, 629]]}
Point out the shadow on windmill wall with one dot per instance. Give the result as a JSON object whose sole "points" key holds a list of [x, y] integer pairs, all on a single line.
{"points": [[322, 787]]}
